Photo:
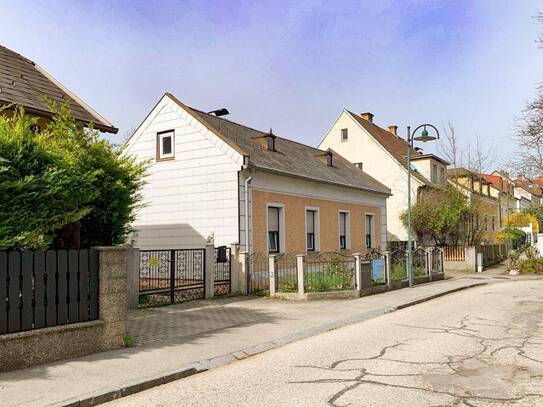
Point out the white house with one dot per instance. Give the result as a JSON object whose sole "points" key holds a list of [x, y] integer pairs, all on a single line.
{"points": [[382, 154], [203, 169]]}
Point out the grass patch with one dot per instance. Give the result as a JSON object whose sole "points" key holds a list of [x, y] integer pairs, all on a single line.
{"points": [[129, 342]]}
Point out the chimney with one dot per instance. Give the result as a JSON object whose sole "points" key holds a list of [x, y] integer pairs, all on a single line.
{"points": [[393, 129], [367, 116]]}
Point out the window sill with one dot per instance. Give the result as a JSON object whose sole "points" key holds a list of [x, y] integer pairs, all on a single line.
{"points": [[165, 159]]}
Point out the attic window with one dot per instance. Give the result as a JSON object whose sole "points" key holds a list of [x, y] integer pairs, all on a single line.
{"points": [[344, 134], [329, 160], [165, 145]]}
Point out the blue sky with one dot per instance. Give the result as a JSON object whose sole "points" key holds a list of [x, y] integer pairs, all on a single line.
{"points": [[293, 66]]}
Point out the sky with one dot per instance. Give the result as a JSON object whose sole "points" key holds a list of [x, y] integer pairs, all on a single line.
{"points": [[293, 65]]}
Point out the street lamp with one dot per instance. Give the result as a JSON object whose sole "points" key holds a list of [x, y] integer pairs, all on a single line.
{"points": [[424, 137]]}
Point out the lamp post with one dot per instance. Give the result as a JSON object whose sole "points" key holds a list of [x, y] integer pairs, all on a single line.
{"points": [[424, 137]]}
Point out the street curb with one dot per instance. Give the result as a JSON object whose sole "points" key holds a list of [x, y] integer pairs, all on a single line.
{"points": [[109, 394]]}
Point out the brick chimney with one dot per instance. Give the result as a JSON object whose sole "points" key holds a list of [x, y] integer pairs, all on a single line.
{"points": [[367, 116], [393, 129]]}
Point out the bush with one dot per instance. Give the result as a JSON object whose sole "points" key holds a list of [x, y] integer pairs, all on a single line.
{"points": [[398, 272], [63, 187], [531, 266]]}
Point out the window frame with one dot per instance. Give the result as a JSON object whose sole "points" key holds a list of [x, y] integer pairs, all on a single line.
{"points": [[316, 229], [160, 136], [281, 233], [347, 236], [370, 215], [344, 134]]}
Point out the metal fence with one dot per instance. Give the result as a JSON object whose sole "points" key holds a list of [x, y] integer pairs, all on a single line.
{"points": [[329, 272], [223, 267], [171, 276], [454, 253], [420, 260], [398, 265], [258, 266], [286, 273], [43, 289]]}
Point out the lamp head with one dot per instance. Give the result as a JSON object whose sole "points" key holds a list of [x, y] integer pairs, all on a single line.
{"points": [[424, 136]]}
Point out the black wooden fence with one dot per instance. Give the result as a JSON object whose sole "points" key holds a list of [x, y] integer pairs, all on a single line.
{"points": [[43, 289]]}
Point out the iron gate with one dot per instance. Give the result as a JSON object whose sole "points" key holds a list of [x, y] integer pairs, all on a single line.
{"points": [[171, 276], [223, 276]]}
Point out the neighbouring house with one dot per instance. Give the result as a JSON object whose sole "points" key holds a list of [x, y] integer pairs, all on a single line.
{"points": [[382, 154], [530, 189], [204, 169], [484, 198], [25, 83], [502, 188]]}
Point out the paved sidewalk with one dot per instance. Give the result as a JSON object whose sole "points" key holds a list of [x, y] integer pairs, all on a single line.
{"points": [[183, 339]]}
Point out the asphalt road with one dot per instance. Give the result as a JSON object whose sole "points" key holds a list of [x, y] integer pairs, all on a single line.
{"points": [[479, 347]]}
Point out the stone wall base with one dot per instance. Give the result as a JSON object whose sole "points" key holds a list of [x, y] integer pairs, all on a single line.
{"points": [[24, 349]]}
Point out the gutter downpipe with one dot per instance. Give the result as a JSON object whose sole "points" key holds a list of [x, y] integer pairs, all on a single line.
{"points": [[247, 245]]}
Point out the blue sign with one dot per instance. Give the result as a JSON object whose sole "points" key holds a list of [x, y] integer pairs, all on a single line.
{"points": [[378, 269]]}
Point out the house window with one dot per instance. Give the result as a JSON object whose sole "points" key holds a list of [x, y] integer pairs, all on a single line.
{"points": [[271, 143], [486, 224], [434, 172], [165, 145], [344, 134], [273, 229], [312, 230], [369, 231], [343, 230], [329, 161], [442, 174], [493, 223]]}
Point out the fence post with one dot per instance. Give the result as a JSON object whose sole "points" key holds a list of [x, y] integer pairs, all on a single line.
{"points": [[209, 282], [271, 260], [133, 277], [112, 297], [358, 271], [243, 270], [429, 262], [300, 270], [235, 269], [387, 267]]}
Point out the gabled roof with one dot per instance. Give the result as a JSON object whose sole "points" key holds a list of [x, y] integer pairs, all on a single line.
{"points": [[529, 186], [25, 83], [395, 145], [290, 158]]}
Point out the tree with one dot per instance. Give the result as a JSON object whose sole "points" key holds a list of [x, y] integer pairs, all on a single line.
{"points": [[64, 178], [529, 132], [438, 214], [537, 211], [472, 156]]}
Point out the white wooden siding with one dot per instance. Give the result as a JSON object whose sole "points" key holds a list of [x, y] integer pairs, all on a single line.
{"points": [[192, 196]]}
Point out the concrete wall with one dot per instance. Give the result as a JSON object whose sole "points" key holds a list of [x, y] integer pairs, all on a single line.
{"points": [[191, 196], [468, 264], [24, 349], [377, 162]]}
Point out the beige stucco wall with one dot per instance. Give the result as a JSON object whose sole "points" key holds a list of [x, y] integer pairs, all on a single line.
{"points": [[377, 162], [294, 216]]}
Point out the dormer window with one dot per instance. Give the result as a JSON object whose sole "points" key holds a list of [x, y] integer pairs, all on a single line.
{"points": [[329, 160], [270, 143]]}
